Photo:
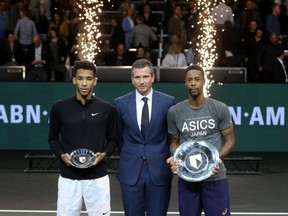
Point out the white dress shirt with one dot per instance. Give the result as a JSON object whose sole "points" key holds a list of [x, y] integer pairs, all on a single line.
{"points": [[38, 53], [140, 104]]}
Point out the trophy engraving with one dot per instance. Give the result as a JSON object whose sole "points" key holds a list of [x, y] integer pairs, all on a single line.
{"points": [[196, 160], [82, 158]]}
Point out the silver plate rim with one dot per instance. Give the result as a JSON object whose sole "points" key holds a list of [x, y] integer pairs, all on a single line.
{"points": [[88, 152], [184, 173]]}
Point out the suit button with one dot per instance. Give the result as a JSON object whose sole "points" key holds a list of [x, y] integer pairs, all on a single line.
{"points": [[144, 160]]}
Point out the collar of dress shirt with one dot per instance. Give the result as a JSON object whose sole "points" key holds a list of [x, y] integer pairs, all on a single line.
{"points": [[139, 96]]}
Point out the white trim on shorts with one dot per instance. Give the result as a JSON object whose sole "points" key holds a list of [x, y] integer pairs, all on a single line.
{"points": [[95, 193]]}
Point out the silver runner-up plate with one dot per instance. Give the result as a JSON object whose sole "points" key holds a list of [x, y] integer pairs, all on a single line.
{"points": [[82, 158], [196, 160]]}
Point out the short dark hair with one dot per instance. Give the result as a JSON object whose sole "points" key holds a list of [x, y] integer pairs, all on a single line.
{"points": [[140, 17], [56, 30], [84, 64], [142, 63], [116, 18], [195, 67]]}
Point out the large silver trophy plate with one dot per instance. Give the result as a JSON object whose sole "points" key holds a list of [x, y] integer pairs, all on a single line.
{"points": [[82, 158], [196, 160]]}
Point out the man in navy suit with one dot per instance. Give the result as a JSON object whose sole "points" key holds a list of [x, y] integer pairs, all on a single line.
{"points": [[143, 173]]}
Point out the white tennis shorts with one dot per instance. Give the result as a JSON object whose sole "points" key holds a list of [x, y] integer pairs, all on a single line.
{"points": [[95, 193]]}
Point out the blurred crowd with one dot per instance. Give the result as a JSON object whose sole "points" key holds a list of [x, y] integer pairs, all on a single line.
{"points": [[42, 35]]}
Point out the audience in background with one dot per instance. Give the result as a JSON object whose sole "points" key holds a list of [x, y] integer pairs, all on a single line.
{"points": [[168, 9], [150, 19], [192, 56], [24, 31], [272, 22], [252, 47], [265, 57], [124, 8], [191, 21], [183, 29], [142, 35], [118, 57], [174, 38], [14, 13], [62, 26], [66, 15], [128, 25], [42, 22], [246, 16], [174, 57], [232, 45], [283, 20], [175, 24], [140, 54], [38, 61], [76, 26], [3, 21], [222, 13], [251, 31], [117, 33], [10, 54], [279, 73], [58, 50], [140, 8], [34, 6], [46, 9]]}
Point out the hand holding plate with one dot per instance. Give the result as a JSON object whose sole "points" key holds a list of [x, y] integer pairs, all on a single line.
{"points": [[99, 156], [216, 169], [82, 158], [66, 159], [197, 161]]}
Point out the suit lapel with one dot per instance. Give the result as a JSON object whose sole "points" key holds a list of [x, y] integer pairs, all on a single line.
{"points": [[154, 114], [132, 111]]}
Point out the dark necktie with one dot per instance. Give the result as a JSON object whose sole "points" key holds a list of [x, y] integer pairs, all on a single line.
{"points": [[145, 118]]}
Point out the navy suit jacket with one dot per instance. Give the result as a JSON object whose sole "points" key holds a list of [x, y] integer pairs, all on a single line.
{"points": [[278, 74], [155, 147]]}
